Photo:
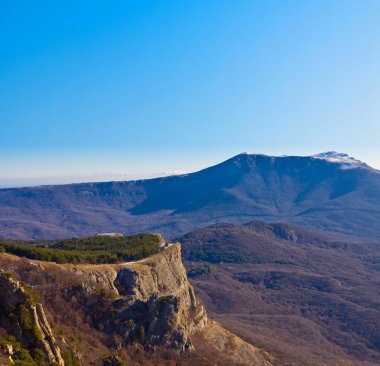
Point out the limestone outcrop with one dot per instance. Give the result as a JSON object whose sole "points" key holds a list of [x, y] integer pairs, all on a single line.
{"points": [[147, 304], [158, 285], [156, 305], [23, 317]]}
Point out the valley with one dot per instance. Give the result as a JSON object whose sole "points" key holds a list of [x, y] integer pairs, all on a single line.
{"points": [[306, 297]]}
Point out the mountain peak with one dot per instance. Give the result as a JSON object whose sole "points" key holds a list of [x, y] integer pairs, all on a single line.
{"points": [[332, 154], [346, 161]]}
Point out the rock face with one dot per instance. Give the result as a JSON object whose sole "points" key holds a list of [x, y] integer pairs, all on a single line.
{"points": [[148, 303], [156, 305], [158, 291], [23, 316], [154, 302]]}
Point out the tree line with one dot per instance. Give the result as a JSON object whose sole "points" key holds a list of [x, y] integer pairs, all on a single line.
{"points": [[96, 250]]}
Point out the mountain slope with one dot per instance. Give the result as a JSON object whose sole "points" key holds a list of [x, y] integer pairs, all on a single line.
{"points": [[330, 191], [306, 297]]}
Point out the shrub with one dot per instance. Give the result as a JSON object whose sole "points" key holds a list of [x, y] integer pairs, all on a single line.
{"points": [[112, 360], [21, 356], [26, 320], [39, 356], [131, 323], [69, 359], [32, 294], [200, 270], [7, 274], [142, 332]]}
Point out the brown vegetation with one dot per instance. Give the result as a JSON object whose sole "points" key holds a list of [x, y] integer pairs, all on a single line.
{"points": [[308, 298]]}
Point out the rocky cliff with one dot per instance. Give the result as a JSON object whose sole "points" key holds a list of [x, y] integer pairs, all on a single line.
{"points": [[155, 298], [23, 317], [148, 304], [153, 301], [158, 292]]}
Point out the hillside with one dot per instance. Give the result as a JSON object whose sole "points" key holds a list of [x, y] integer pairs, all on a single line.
{"points": [[328, 191], [307, 297], [137, 313]]}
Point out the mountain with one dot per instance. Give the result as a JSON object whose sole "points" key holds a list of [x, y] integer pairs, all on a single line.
{"points": [[101, 314], [307, 297], [330, 191]]}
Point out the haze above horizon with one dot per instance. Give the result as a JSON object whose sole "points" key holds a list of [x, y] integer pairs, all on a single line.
{"points": [[142, 88]]}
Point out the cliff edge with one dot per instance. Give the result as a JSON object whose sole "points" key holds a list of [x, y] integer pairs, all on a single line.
{"points": [[148, 305], [154, 297]]}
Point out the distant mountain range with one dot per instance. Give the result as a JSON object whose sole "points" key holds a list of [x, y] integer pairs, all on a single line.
{"points": [[329, 191]]}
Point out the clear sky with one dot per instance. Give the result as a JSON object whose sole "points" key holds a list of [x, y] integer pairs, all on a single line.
{"points": [[91, 90]]}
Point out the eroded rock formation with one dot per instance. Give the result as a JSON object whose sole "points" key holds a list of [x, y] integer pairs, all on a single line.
{"points": [[23, 316], [156, 305], [146, 304]]}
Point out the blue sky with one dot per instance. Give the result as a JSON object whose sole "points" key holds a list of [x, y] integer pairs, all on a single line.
{"points": [[91, 90]]}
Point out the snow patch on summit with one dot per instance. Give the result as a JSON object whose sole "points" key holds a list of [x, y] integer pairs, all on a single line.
{"points": [[346, 161]]}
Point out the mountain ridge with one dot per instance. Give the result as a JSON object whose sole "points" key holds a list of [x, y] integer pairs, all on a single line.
{"points": [[340, 195], [322, 155]]}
